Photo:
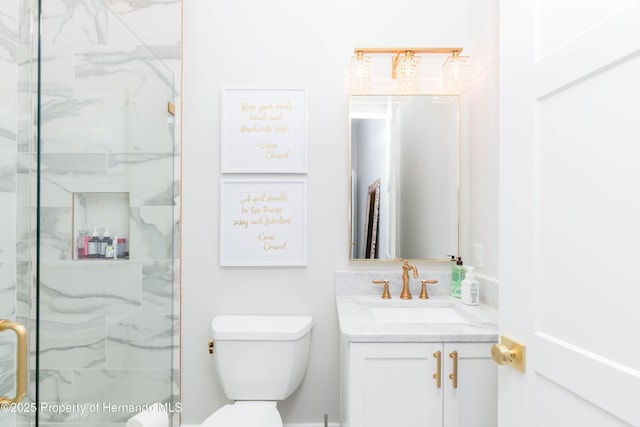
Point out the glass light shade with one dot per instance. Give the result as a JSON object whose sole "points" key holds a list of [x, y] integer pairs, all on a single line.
{"points": [[456, 75], [409, 74], [360, 74]]}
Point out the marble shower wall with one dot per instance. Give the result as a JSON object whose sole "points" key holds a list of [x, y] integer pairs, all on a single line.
{"points": [[109, 329]]}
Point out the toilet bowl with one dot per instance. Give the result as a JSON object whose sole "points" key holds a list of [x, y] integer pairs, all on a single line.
{"points": [[260, 360]]}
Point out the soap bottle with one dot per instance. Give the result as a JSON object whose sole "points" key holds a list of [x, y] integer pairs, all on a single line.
{"points": [[470, 288], [93, 245], [457, 275], [106, 245], [121, 247], [80, 244]]}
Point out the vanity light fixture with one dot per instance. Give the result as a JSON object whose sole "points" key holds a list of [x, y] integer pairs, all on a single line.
{"points": [[360, 73], [456, 73], [406, 68]]}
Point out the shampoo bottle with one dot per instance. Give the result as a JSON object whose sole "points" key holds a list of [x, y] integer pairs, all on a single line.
{"points": [[80, 241], [470, 288], [93, 245], [457, 275], [106, 245]]}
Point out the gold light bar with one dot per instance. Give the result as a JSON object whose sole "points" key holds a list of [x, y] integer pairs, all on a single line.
{"points": [[406, 51], [396, 50]]}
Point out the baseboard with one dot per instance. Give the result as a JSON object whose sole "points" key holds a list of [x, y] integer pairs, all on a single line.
{"points": [[313, 425], [286, 425]]}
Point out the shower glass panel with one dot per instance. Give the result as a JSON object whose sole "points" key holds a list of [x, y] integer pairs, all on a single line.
{"points": [[87, 144]]}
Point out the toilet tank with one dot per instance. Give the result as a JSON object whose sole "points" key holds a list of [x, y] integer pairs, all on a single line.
{"points": [[261, 357]]}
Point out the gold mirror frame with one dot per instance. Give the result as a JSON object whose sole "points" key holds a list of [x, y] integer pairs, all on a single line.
{"points": [[351, 240]]}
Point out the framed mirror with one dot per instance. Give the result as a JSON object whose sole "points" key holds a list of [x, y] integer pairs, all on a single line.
{"points": [[405, 175]]}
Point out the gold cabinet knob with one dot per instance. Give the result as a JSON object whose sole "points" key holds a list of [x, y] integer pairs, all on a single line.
{"points": [[509, 352], [211, 347]]}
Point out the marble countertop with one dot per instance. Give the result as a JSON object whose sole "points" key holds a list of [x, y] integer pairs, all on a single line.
{"points": [[359, 324]]}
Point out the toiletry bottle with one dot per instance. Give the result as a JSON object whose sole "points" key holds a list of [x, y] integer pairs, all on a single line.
{"points": [[82, 232], [457, 275], [121, 247], [470, 288], [93, 245], [105, 243]]}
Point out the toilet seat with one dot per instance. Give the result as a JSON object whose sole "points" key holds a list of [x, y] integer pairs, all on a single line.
{"points": [[245, 413]]}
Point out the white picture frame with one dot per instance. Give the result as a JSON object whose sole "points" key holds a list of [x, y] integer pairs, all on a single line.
{"points": [[263, 222], [264, 131]]}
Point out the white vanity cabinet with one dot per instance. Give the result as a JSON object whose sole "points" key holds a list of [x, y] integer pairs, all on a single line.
{"points": [[412, 384]]}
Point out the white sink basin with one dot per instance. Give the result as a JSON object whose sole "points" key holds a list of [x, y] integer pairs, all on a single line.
{"points": [[433, 314]]}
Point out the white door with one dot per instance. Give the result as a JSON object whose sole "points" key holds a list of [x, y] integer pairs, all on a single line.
{"points": [[570, 211]]}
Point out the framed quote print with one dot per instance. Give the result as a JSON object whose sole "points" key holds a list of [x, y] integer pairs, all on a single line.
{"points": [[264, 131], [263, 222]]}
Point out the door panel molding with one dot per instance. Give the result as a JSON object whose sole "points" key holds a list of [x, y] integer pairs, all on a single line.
{"points": [[587, 369], [586, 55]]}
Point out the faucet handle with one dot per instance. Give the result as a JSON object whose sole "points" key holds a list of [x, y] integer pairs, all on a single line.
{"points": [[423, 293], [385, 293]]}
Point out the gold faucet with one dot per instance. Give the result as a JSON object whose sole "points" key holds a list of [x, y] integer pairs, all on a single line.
{"points": [[406, 294]]}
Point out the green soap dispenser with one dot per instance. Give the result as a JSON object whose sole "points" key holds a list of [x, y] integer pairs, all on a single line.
{"points": [[457, 276]]}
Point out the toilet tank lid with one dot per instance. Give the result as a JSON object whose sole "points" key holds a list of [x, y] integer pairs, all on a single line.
{"points": [[260, 327]]}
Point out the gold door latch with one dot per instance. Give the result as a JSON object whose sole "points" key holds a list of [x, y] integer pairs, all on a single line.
{"points": [[510, 352], [211, 350]]}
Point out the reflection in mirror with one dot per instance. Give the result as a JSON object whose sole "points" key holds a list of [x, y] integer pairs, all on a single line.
{"points": [[404, 177]]}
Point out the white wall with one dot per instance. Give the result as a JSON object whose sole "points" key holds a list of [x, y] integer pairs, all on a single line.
{"points": [[481, 159], [283, 44]]}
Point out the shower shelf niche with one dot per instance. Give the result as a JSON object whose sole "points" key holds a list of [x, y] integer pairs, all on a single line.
{"points": [[101, 212]]}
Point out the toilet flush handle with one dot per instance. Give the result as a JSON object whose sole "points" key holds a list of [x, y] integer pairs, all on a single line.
{"points": [[211, 347]]}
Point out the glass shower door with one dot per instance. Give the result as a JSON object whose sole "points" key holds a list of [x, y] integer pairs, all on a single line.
{"points": [[108, 312], [86, 146]]}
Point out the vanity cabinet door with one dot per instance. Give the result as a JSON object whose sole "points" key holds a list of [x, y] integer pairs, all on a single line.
{"points": [[393, 384], [474, 403]]}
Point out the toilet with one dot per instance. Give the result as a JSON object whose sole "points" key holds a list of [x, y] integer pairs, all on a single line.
{"points": [[260, 360]]}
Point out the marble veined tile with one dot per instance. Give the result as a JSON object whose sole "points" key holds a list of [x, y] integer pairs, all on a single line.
{"points": [[72, 341], [122, 72], [64, 174], [57, 70], [55, 384], [91, 287], [7, 289], [8, 44], [25, 230], [158, 282], [7, 419], [8, 178], [147, 177], [92, 125], [141, 341], [152, 232], [25, 107], [55, 233], [164, 13], [8, 117], [8, 231], [24, 178], [24, 273], [68, 22], [8, 360], [121, 387], [9, 18]]}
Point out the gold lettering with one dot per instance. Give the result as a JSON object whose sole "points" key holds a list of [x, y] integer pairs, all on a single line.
{"points": [[269, 246]]}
